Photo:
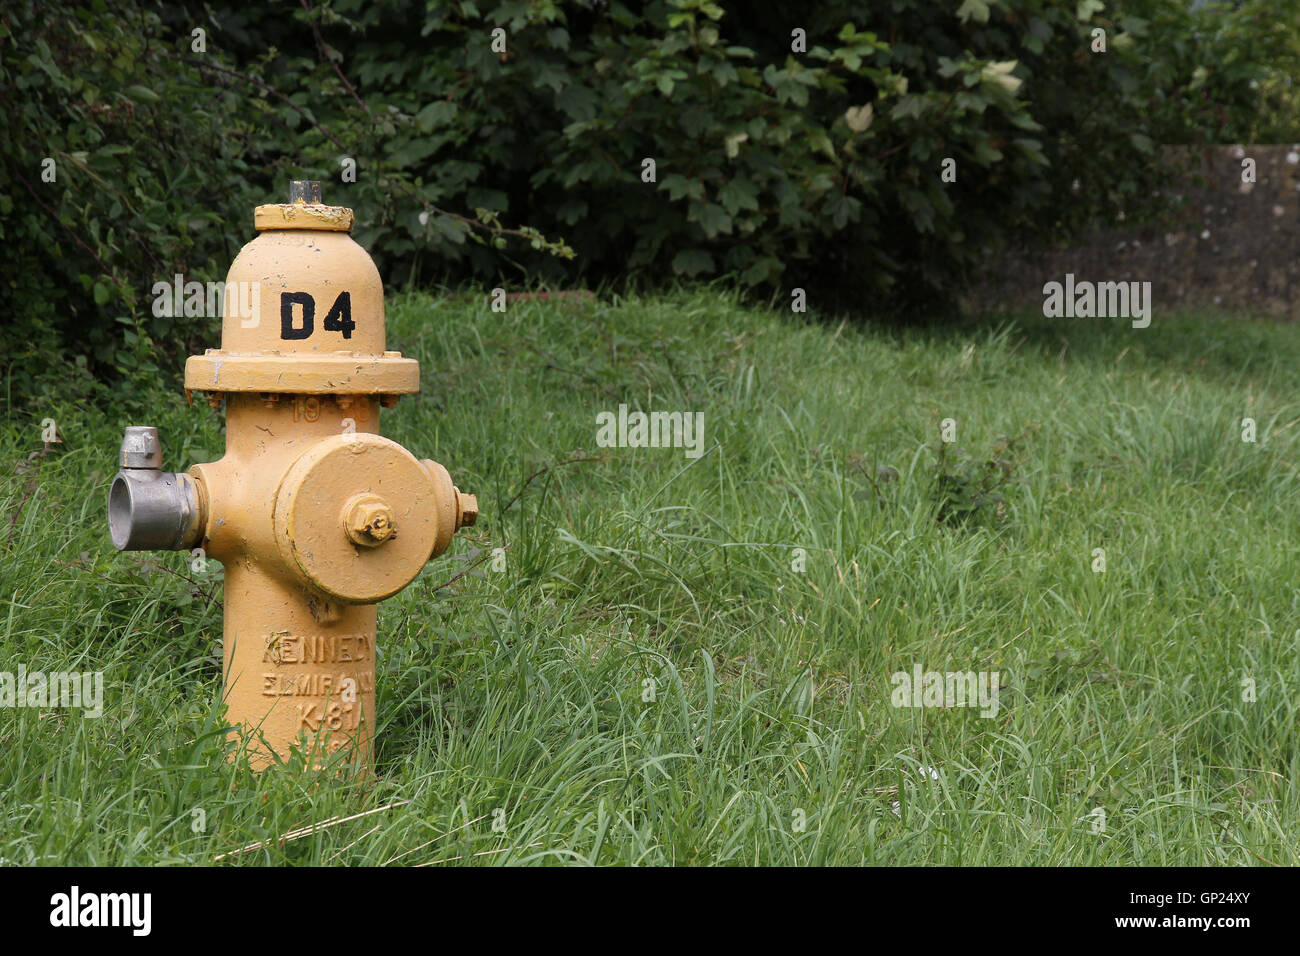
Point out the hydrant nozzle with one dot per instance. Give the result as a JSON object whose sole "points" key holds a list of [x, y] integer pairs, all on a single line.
{"points": [[149, 509], [315, 516]]}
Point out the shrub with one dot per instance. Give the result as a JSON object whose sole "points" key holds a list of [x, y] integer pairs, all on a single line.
{"points": [[817, 167]]}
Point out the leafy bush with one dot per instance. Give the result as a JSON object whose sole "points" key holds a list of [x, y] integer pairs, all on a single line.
{"points": [[966, 486], [114, 156], [816, 167]]}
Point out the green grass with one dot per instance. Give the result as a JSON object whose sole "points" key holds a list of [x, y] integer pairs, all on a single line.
{"points": [[522, 690]]}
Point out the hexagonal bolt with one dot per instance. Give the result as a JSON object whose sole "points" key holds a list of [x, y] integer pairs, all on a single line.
{"points": [[140, 448], [466, 509], [368, 520]]}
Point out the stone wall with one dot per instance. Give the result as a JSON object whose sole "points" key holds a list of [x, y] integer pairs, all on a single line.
{"points": [[1231, 245]]}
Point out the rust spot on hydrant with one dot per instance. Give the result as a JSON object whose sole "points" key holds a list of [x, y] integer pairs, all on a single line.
{"points": [[314, 514]]}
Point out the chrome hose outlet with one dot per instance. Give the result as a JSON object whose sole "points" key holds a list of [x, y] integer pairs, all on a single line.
{"points": [[150, 509]]}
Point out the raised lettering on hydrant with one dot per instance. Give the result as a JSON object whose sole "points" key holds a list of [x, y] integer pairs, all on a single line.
{"points": [[315, 516]]}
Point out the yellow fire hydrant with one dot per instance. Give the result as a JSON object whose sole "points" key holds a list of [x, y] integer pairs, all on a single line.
{"points": [[314, 515]]}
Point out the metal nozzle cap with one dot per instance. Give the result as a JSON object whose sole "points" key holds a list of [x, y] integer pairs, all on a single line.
{"points": [[140, 447]]}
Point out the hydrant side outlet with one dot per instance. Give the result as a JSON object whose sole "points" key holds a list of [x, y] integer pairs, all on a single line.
{"points": [[314, 515], [149, 509]]}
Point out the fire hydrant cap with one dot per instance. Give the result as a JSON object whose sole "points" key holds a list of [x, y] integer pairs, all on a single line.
{"points": [[304, 210], [354, 478], [303, 312]]}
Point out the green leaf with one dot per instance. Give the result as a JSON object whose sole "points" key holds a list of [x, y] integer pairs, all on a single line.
{"points": [[732, 143], [822, 143], [142, 94], [858, 118], [712, 218], [976, 10], [1087, 8], [1033, 149], [910, 105], [692, 262], [985, 154], [763, 269], [438, 113], [679, 187], [738, 195], [453, 230]]}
